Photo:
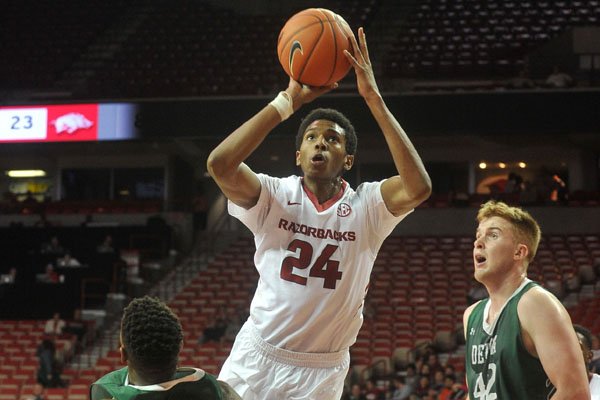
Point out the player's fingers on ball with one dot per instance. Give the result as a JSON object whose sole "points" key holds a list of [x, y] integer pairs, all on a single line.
{"points": [[364, 49], [355, 48], [351, 58]]}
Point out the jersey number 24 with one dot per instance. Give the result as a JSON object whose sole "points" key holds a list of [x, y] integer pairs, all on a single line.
{"points": [[324, 267]]}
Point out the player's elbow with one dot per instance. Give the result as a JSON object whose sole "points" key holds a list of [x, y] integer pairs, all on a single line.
{"points": [[422, 193], [216, 165]]}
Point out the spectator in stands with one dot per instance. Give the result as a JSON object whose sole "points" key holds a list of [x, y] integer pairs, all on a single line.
{"points": [[38, 393], [559, 79], [55, 325], [10, 278], [521, 81], [422, 388], [106, 247], [8, 282], [411, 377], [585, 341], [438, 381], [68, 261], [401, 391], [78, 327], [434, 363], [49, 370], [517, 311], [151, 339], [445, 392], [53, 247], [356, 393], [49, 276], [372, 392], [312, 318], [216, 329], [425, 370], [514, 184], [234, 324]]}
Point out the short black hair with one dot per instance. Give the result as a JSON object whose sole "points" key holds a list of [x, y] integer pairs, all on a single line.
{"points": [[152, 336], [586, 334], [332, 115]]}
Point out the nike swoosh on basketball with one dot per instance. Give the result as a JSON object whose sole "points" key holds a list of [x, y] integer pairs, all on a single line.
{"points": [[296, 46], [290, 203]]}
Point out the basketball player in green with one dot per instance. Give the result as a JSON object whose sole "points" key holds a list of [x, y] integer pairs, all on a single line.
{"points": [[520, 341], [151, 338]]}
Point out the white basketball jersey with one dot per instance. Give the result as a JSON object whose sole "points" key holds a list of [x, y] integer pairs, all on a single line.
{"points": [[595, 387], [314, 261]]}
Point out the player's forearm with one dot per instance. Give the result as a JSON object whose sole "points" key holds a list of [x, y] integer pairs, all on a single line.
{"points": [[406, 159], [241, 143]]}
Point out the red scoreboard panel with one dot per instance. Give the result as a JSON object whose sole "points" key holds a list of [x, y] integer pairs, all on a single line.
{"points": [[67, 122]]}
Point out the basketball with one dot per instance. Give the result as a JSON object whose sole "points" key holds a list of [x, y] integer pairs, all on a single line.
{"points": [[311, 47]]}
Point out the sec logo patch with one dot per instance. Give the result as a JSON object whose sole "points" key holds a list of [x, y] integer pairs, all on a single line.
{"points": [[344, 210]]}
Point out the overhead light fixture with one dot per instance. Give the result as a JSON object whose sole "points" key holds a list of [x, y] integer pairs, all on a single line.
{"points": [[522, 165], [26, 173], [502, 165], [482, 165]]}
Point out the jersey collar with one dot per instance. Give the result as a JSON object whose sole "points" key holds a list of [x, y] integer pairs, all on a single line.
{"points": [[195, 376], [313, 198]]}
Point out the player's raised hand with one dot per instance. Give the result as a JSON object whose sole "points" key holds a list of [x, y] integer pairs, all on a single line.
{"points": [[365, 78], [303, 94]]}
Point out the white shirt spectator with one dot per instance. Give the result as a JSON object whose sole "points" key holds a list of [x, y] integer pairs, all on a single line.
{"points": [[55, 325]]}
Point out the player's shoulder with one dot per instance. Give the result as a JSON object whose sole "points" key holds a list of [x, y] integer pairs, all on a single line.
{"points": [[292, 180], [273, 184], [537, 295], [367, 188], [469, 310], [539, 302]]}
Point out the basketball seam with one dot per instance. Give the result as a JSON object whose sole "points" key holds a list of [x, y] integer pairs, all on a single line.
{"points": [[335, 48]]}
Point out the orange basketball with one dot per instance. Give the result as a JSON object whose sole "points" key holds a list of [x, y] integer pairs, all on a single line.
{"points": [[311, 47]]}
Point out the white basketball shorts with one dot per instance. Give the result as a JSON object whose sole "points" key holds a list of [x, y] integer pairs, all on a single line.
{"points": [[260, 371]]}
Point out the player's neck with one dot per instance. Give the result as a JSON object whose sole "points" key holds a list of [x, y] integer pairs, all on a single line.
{"points": [[323, 190], [501, 291]]}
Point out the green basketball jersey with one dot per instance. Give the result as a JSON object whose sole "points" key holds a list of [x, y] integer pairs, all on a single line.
{"points": [[498, 365], [113, 384]]}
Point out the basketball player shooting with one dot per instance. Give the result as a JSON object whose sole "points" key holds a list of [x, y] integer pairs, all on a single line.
{"points": [[316, 239]]}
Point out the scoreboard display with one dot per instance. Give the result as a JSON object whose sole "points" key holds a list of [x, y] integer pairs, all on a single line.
{"points": [[68, 122]]}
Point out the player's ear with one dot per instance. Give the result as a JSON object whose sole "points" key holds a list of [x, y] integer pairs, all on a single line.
{"points": [[297, 158], [521, 251], [349, 162], [123, 353]]}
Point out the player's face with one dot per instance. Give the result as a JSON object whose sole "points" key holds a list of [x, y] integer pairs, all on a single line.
{"points": [[322, 153], [494, 248]]}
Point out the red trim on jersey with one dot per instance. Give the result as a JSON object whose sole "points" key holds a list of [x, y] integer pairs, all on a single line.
{"points": [[322, 207]]}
